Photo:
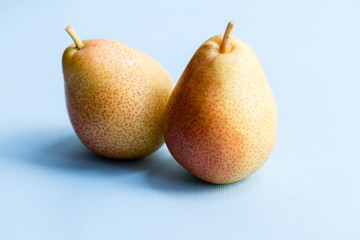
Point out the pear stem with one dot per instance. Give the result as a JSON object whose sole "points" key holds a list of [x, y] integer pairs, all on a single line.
{"points": [[225, 45], [79, 44]]}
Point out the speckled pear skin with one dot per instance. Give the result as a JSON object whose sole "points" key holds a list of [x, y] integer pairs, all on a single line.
{"points": [[116, 98], [221, 119]]}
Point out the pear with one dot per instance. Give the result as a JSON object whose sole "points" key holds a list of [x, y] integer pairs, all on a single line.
{"points": [[116, 97], [221, 119]]}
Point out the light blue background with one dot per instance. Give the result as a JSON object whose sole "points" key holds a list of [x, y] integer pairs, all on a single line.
{"points": [[51, 187]]}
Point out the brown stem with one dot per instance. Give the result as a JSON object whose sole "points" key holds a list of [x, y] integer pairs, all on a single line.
{"points": [[225, 45], [79, 44]]}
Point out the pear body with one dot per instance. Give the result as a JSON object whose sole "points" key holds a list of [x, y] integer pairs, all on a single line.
{"points": [[116, 97], [221, 119]]}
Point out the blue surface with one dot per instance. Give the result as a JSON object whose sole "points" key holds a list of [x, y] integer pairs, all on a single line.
{"points": [[51, 187]]}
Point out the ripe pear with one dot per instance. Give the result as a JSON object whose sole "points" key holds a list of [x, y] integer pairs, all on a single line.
{"points": [[221, 119], [116, 97]]}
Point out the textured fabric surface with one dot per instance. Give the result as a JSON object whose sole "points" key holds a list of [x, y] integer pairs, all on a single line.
{"points": [[52, 187]]}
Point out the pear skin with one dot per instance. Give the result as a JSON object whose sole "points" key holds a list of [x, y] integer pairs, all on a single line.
{"points": [[221, 119], [115, 96]]}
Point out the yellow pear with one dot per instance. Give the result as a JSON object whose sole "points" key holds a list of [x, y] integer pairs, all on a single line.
{"points": [[116, 97], [221, 119]]}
